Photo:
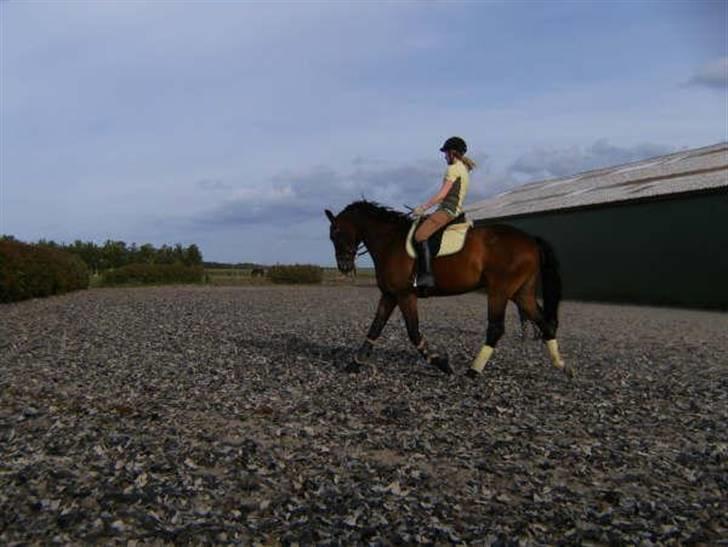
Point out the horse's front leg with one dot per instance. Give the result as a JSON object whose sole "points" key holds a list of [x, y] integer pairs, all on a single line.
{"points": [[408, 306], [384, 310]]}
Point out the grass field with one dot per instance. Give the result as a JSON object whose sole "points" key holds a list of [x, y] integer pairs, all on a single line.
{"points": [[232, 277], [243, 276]]}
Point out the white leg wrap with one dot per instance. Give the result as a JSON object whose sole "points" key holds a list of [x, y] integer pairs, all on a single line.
{"points": [[482, 359], [553, 347]]}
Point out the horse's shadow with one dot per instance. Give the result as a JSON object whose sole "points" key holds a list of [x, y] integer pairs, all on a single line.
{"points": [[327, 354]]}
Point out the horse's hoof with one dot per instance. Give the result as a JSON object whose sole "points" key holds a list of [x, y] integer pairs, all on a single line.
{"points": [[353, 367], [474, 374], [569, 371], [443, 363]]}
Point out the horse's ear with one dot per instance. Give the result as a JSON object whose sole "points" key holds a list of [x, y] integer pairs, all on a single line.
{"points": [[331, 216]]}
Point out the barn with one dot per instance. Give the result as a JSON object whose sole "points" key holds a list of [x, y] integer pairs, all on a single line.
{"points": [[649, 232]]}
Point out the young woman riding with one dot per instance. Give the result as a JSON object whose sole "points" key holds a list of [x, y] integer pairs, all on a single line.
{"points": [[450, 199]]}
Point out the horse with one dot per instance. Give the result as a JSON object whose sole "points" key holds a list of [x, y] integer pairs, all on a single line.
{"points": [[508, 263], [257, 272]]}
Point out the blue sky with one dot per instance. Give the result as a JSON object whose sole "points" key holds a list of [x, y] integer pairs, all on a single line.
{"points": [[234, 124]]}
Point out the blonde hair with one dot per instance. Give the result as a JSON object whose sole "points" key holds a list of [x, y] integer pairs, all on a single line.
{"points": [[470, 164]]}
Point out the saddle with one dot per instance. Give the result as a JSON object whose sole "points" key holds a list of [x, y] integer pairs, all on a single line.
{"points": [[446, 241]]}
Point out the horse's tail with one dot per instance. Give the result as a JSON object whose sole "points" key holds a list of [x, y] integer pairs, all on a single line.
{"points": [[550, 283]]}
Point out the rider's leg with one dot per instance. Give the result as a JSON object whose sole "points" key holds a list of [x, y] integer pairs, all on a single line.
{"points": [[428, 227], [425, 278]]}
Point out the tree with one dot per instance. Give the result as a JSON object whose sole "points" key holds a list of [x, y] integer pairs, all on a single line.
{"points": [[147, 254], [114, 254], [193, 256]]}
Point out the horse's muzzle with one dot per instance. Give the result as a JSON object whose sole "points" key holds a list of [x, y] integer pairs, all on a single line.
{"points": [[345, 262]]}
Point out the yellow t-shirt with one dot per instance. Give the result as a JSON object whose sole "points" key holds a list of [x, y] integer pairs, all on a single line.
{"points": [[453, 202]]}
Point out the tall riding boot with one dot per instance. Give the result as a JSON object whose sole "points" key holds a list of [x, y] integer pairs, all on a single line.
{"points": [[425, 279]]}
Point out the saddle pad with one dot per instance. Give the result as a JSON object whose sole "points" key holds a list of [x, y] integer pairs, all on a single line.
{"points": [[453, 238]]}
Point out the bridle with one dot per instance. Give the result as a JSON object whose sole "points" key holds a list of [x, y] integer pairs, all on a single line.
{"points": [[352, 253]]}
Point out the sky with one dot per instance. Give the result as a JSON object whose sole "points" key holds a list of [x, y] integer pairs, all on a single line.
{"points": [[233, 125]]}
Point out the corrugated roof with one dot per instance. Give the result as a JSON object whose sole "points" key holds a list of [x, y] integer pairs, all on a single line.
{"points": [[701, 169]]}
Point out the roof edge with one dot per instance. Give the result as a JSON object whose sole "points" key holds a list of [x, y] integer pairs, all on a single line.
{"points": [[604, 205]]}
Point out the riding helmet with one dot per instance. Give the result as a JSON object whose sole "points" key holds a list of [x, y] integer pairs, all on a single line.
{"points": [[455, 143]]}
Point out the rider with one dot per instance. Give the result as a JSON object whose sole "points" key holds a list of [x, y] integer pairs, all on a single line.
{"points": [[450, 198]]}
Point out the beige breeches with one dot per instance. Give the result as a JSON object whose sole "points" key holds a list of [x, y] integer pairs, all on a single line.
{"points": [[432, 224]]}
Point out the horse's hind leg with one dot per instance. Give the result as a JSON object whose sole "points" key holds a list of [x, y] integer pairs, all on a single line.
{"points": [[497, 301], [525, 321], [387, 302], [525, 298]]}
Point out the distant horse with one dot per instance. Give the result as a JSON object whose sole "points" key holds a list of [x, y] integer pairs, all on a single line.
{"points": [[257, 272], [504, 261]]}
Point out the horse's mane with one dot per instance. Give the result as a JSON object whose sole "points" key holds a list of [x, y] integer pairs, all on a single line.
{"points": [[378, 211]]}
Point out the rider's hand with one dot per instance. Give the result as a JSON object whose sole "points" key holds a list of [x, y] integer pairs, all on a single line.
{"points": [[419, 211]]}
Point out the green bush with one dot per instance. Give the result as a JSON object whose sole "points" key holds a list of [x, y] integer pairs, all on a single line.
{"points": [[295, 274], [154, 274], [32, 271]]}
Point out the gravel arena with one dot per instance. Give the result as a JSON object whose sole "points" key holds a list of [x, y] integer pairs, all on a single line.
{"points": [[223, 415]]}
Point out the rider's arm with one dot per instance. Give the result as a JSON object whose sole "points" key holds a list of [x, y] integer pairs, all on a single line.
{"points": [[437, 198]]}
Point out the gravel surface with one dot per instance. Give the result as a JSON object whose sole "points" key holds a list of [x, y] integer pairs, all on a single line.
{"points": [[223, 415]]}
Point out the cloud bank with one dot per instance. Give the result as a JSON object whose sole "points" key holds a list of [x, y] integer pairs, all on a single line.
{"points": [[544, 163], [713, 75], [293, 197]]}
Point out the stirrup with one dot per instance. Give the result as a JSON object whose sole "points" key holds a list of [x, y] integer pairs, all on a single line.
{"points": [[425, 281]]}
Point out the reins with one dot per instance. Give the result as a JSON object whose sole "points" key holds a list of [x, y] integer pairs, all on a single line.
{"points": [[359, 251], [369, 212]]}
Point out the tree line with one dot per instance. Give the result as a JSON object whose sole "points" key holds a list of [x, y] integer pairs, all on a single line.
{"points": [[116, 254]]}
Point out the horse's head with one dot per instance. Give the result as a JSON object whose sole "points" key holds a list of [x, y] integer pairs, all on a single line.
{"points": [[344, 236]]}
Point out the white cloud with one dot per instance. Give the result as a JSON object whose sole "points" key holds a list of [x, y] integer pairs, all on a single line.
{"points": [[713, 75], [551, 162], [297, 196], [213, 185]]}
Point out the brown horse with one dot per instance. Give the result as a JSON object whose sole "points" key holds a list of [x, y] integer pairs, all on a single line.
{"points": [[504, 261]]}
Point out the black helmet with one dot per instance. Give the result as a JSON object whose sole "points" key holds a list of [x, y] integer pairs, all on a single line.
{"points": [[455, 143]]}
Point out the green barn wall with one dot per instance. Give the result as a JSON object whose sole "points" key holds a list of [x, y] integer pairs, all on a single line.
{"points": [[667, 252]]}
